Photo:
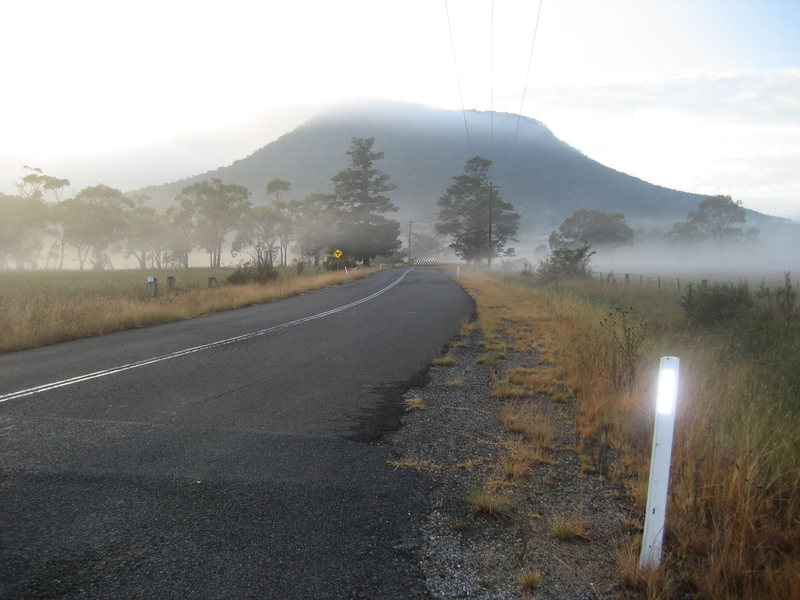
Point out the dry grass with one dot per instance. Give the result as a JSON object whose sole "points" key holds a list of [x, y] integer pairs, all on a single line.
{"points": [[521, 456], [569, 528], [530, 579], [415, 403], [508, 391], [733, 523], [448, 360], [421, 466], [41, 308], [489, 501], [523, 419]]}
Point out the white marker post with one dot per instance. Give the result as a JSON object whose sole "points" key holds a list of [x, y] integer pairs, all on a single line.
{"points": [[666, 400]]}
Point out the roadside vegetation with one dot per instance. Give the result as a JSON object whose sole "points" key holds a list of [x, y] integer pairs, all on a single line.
{"points": [[733, 520], [39, 308]]}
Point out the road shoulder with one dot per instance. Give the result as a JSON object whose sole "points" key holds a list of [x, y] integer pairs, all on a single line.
{"points": [[454, 437]]}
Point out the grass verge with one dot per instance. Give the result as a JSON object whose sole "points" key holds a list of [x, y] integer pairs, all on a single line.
{"points": [[733, 528], [41, 308]]}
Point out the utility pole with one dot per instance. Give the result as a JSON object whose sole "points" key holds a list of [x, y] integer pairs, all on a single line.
{"points": [[491, 197], [410, 223]]}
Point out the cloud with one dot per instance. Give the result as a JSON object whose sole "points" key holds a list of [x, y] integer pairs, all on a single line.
{"points": [[766, 97], [735, 133]]}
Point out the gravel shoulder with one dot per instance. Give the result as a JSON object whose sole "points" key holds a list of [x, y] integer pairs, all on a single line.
{"points": [[455, 440]]}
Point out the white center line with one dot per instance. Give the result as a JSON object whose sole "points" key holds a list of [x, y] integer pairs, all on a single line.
{"points": [[178, 353]]}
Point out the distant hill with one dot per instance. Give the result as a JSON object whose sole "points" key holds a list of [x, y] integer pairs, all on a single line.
{"points": [[545, 178]]}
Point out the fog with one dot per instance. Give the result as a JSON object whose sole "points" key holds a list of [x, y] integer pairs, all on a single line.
{"points": [[774, 252]]}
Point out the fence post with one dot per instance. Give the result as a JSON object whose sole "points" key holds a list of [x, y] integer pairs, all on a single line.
{"points": [[171, 283], [152, 286]]}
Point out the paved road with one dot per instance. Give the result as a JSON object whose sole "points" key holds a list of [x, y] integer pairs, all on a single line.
{"points": [[226, 456]]}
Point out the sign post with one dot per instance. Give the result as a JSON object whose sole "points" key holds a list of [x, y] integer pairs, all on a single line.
{"points": [[337, 254], [666, 400]]}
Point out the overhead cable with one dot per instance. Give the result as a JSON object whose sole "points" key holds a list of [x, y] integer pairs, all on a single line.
{"points": [[458, 77], [525, 87]]}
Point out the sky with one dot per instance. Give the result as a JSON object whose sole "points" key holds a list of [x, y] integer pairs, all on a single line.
{"points": [[697, 95]]}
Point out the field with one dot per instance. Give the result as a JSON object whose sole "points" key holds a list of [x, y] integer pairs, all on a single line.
{"points": [[733, 519], [47, 307]]}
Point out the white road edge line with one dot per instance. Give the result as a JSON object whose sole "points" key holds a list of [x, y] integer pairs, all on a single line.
{"points": [[178, 353]]}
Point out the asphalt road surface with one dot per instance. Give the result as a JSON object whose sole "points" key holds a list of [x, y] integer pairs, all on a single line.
{"points": [[228, 456]]}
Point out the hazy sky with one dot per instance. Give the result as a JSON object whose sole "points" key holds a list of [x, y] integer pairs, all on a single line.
{"points": [[698, 95]]}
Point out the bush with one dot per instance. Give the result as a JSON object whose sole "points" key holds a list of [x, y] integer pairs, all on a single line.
{"points": [[566, 263], [253, 273], [717, 305]]}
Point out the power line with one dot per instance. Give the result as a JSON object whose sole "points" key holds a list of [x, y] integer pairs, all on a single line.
{"points": [[491, 81], [458, 77], [525, 87]]}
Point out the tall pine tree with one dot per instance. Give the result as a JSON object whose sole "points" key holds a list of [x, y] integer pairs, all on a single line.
{"points": [[358, 206]]}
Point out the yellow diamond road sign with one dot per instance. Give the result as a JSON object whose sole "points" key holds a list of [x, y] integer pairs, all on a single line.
{"points": [[337, 254]]}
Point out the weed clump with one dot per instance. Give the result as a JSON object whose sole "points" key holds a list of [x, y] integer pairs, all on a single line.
{"points": [[489, 502], [717, 305]]}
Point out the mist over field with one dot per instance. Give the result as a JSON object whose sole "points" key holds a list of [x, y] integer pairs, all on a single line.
{"points": [[767, 259]]}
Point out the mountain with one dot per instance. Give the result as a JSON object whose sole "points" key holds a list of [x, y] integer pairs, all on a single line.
{"points": [[543, 177]]}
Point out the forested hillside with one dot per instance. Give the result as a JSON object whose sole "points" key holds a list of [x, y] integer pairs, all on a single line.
{"points": [[544, 178]]}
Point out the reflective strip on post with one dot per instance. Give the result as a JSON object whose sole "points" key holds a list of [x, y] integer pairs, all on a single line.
{"points": [[655, 515]]}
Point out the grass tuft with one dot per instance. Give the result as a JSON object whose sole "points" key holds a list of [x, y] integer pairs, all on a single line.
{"points": [[415, 403], [448, 360], [530, 579], [488, 501]]}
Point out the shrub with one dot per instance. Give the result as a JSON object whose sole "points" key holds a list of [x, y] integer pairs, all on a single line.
{"points": [[567, 263], [253, 273], [716, 305]]}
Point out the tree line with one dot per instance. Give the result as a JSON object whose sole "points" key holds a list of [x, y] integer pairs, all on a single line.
{"points": [[39, 227]]}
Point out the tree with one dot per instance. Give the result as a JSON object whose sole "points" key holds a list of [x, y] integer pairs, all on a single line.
{"points": [[257, 237], [685, 233], [284, 226], [468, 207], [593, 227], [424, 245], [36, 185], [94, 221], [177, 244], [22, 229], [358, 204], [214, 209], [717, 216], [566, 263], [276, 187], [147, 234], [312, 224]]}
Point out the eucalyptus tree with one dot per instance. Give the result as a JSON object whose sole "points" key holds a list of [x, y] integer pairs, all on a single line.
{"points": [[95, 221], [214, 210], [36, 184], [479, 223], [257, 237], [23, 222], [282, 216], [312, 225], [593, 227]]}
